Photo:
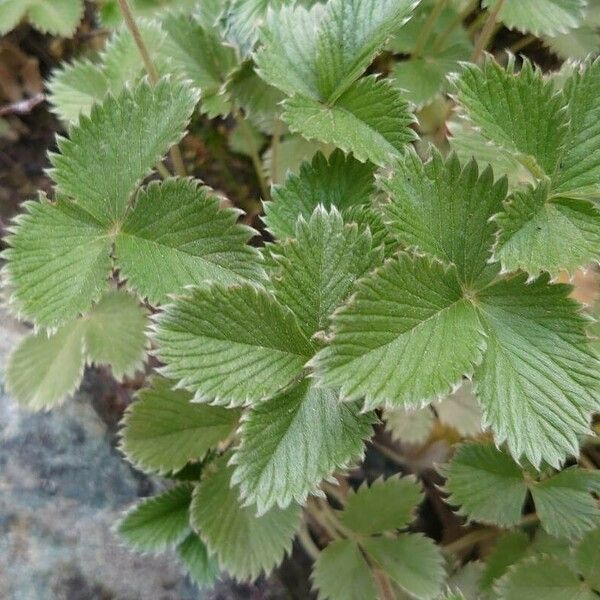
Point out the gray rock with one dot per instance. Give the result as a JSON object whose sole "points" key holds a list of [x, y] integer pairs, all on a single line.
{"points": [[62, 486]]}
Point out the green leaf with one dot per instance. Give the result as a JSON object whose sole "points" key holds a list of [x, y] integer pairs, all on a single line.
{"points": [[371, 120], [97, 169], [201, 56], [579, 169], [538, 382], [508, 550], [246, 545], [200, 566], [513, 108], [576, 44], [409, 426], [176, 236], [43, 370], [321, 52], [564, 504], [587, 555], [546, 17], [545, 577], [46, 368], [444, 210], [110, 13], [538, 234], [412, 561], [410, 308], [385, 505], [158, 522], [423, 77], [318, 268], [116, 316], [475, 476], [293, 441], [231, 346], [164, 430], [59, 17], [370, 217], [342, 573], [339, 181], [58, 262]]}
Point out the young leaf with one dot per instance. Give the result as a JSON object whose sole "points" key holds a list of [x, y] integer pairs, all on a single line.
{"points": [[231, 346], [97, 169], [587, 555], [371, 120], [444, 210], [460, 410], [409, 426], [159, 521], [385, 505], [339, 181], [58, 262], [317, 269], [537, 234], [412, 561], [163, 430], [520, 112], [43, 370], [475, 475], [411, 308], [342, 573], [538, 382], [176, 235], [59, 17], [245, 544], [564, 504], [544, 577], [545, 17], [200, 566], [201, 56], [116, 316], [293, 441]]}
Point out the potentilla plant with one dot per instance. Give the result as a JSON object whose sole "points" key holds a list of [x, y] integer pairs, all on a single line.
{"points": [[396, 277]]}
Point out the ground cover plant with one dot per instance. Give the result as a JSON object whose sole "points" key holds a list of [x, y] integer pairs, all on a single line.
{"points": [[401, 286]]}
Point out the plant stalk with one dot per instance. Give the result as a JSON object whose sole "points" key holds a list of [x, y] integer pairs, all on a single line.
{"points": [[307, 542], [428, 26], [486, 33], [260, 175], [458, 19], [153, 77]]}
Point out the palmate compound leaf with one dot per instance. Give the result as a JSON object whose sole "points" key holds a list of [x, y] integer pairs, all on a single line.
{"points": [[339, 181], [110, 152], [563, 501], [315, 56], [538, 382], [542, 234], [246, 544], [407, 335], [199, 564], [44, 369], [543, 577], [385, 505], [177, 235], [315, 272], [293, 441], [232, 346], [371, 120], [542, 17], [163, 429], [59, 17], [159, 521]]}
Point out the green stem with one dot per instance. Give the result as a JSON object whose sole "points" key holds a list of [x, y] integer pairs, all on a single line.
{"points": [[384, 587], [275, 143], [522, 43], [428, 26], [307, 542], [260, 175], [487, 32], [456, 21], [153, 76]]}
